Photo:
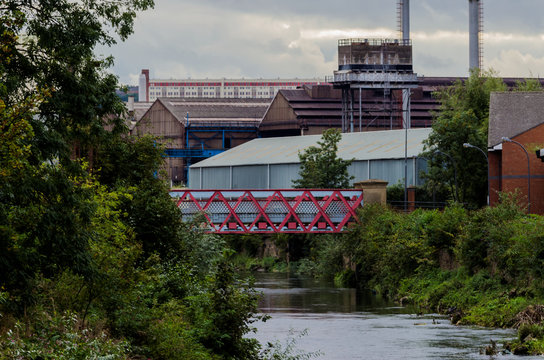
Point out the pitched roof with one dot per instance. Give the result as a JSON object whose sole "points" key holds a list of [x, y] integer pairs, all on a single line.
{"points": [[513, 113], [370, 145], [216, 111]]}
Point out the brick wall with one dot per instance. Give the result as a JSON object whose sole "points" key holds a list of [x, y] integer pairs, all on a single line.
{"points": [[511, 164]]}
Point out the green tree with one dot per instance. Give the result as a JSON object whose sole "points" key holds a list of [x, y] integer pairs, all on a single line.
{"points": [[462, 118], [52, 47], [320, 167], [55, 96], [93, 233]]}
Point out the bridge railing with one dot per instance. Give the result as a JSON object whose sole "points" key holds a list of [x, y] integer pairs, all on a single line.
{"points": [[271, 211]]}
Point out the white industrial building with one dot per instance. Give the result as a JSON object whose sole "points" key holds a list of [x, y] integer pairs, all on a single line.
{"points": [[273, 163], [151, 89]]}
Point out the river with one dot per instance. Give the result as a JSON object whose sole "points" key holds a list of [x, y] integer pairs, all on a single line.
{"points": [[343, 324]]}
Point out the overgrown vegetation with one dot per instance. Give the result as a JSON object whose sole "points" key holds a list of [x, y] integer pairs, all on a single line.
{"points": [[480, 267], [95, 261], [462, 118]]}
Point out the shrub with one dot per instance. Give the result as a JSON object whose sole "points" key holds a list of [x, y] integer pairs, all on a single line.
{"points": [[59, 337]]}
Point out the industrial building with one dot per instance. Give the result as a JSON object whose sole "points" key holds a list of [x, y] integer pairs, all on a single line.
{"points": [[194, 129], [151, 89], [273, 163], [517, 164], [373, 89], [311, 109]]}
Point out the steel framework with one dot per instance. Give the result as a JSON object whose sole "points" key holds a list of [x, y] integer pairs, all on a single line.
{"points": [[271, 211]]}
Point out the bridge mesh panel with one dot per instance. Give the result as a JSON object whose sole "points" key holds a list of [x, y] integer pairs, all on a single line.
{"points": [[218, 212], [188, 210], [336, 211], [247, 211], [276, 211], [306, 211]]}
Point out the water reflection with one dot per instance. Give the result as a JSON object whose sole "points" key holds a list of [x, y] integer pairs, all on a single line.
{"points": [[346, 324]]}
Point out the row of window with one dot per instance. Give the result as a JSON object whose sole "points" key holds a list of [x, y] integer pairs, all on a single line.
{"points": [[212, 94], [154, 89]]}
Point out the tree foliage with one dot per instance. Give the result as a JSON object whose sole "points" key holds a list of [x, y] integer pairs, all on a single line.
{"points": [[51, 46], [93, 252], [320, 167], [462, 118]]}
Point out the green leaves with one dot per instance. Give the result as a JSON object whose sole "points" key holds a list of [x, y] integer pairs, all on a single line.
{"points": [[321, 168], [463, 118]]}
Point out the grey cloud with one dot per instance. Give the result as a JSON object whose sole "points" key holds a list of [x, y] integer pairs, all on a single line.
{"points": [[238, 37]]}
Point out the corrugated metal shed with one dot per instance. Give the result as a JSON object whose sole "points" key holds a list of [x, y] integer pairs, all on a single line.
{"points": [[274, 162]]}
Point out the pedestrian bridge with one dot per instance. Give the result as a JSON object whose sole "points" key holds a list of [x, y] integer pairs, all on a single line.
{"points": [[271, 211]]}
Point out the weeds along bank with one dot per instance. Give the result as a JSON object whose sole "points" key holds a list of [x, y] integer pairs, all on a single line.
{"points": [[481, 267], [143, 285]]}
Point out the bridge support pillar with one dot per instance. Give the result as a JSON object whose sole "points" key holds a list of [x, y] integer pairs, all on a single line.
{"points": [[374, 191]]}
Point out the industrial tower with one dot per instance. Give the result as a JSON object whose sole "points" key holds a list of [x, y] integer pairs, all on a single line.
{"points": [[384, 64]]}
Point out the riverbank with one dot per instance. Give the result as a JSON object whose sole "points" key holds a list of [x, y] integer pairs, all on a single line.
{"points": [[479, 267], [343, 323]]}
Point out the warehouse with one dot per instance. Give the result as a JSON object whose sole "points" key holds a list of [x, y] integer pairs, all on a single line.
{"points": [[273, 163], [192, 129]]}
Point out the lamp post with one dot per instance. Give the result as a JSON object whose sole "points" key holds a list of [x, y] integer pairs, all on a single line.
{"points": [[507, 139], [467, 145], [456, 192]]}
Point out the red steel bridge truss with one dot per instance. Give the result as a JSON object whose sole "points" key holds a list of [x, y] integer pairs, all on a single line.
{"points": [[271, 211]]}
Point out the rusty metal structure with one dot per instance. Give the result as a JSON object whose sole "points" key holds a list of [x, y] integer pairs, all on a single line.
{"points": [[271, 211], [379, 64]]}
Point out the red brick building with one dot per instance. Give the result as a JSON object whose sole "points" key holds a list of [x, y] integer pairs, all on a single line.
{"points": [[518, 116]]}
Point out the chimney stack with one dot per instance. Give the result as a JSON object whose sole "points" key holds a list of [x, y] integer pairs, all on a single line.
{"points": [[474, 27], [405, 10]]}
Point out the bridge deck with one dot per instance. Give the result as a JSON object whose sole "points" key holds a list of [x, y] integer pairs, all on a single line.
{"points": [[271, 211]]}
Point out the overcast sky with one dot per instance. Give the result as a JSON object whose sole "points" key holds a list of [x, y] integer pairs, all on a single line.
{"points": [[298, 38]]}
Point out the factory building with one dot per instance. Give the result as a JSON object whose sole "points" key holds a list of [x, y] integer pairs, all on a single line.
{"points": [[194, 129], [151, 89], [273, 163], [312, 109]]}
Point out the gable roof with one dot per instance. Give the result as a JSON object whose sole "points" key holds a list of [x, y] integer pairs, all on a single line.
{"points": [[513, 113], [369, 145], [216, 111]]}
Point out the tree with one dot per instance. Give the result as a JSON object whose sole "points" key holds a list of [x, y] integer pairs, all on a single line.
{"points": [[55, 95], [321, 168], [51, 46], [462, 118]]}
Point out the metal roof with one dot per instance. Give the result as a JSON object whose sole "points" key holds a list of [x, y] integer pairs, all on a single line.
{"points": [[206, 109], [370, 145]]}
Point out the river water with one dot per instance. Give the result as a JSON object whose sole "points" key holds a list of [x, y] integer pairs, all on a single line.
{"points": [[342, 323]]}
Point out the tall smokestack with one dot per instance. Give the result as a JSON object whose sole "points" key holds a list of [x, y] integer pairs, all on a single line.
{"points": [[474, 31], [405, 19]]}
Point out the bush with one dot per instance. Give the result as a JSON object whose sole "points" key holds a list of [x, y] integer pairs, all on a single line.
{"points": [[59, 337]]}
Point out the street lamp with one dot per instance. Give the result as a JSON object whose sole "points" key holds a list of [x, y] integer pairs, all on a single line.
{"points": [[507, 139], [456, 192], [467, 145]]}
